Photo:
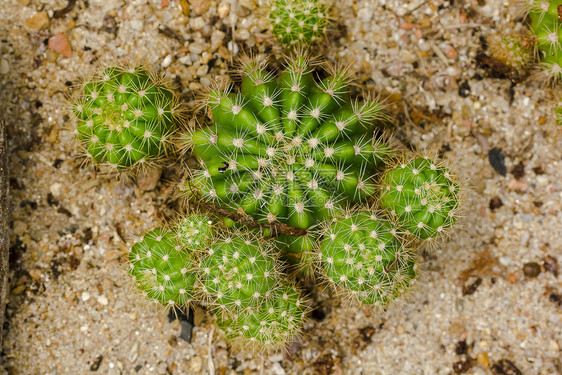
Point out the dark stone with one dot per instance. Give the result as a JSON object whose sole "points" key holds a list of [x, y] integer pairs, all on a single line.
{"points": [[97, 363], [461, 347], [464, 89], [462, 366], [497, 161], [531, 269], [495, 203], [518, 171], [471, 288]]}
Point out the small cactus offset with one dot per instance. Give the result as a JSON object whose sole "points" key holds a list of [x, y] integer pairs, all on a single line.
{"points": [[271, 325], [238, 272], [513, 51], [362, 258], [558, 114], [195, 232], [422, 195], [545, 24], [163, 269], [126, 117], [289, 149], [299, 22]]}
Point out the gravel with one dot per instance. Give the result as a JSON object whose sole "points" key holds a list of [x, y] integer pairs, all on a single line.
{"points": [[71, 309]]}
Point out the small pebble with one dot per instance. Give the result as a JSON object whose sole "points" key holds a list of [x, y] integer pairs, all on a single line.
{"points": [[147, 180], [102, 300], [483, 359], [531, 269], [85, 296], [37, 22], [167, 61], [59, 43], [136, 25], [4, 67], [224, 9], [452, 54], [196, 364], [200, 6]]}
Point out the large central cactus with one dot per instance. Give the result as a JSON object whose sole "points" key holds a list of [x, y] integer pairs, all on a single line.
{"points": [[289, 149]]}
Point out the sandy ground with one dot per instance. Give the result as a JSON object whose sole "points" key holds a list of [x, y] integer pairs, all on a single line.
{"points": [[490, 302]]}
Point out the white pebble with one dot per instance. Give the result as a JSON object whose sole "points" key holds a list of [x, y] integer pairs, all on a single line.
{"points": [[102, 300], [167, 61], [85, 296], [136, 25], [4, 67]]}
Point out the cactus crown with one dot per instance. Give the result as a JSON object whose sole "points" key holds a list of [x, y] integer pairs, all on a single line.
{"points": [[422, 196], [362, 257], [163, 269], [545, 23], [126, 117], [299, 22], [289, 149]]}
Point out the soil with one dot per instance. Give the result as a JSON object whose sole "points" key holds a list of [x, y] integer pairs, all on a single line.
{"points": [[490, 298]]}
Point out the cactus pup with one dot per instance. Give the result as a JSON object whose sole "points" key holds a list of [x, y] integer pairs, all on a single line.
{"points": [[362, 257], [238, 273], [299, 22], [164, 263], [126, 117], [422, 195], [271, 325]]}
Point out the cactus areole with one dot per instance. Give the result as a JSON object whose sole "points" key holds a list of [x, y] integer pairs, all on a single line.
{"points": [[290, 149]]}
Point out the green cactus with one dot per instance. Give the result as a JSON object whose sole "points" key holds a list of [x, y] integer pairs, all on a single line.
{"points": [[238, 273], [270, 325], [195, 232], [546, 25], [422, 195], [513, 51], [299, 22], [126, 117], [361, 256], [289, 149], [163, 268], [558, 113]]}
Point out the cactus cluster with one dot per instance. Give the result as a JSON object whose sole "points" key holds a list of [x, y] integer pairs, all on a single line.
{"points": [[235, 275], [125, 117], [299, 22], [293, 156]]}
